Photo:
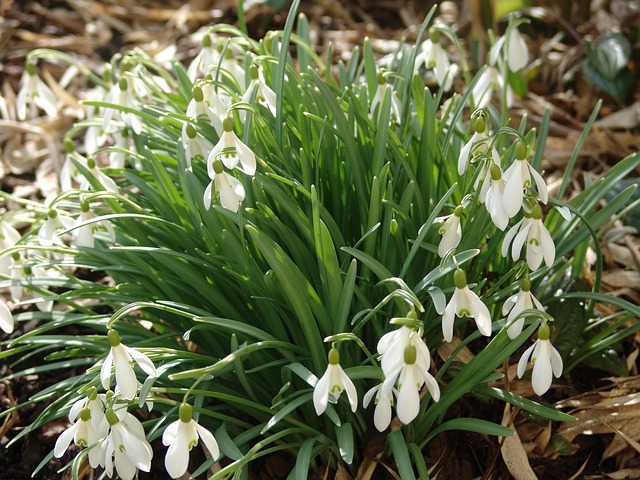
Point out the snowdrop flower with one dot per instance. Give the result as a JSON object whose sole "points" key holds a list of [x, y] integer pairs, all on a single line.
{"points": [[9, 236], [21, 274], [84, 432], [332, 384], [494, 197], [490, 80], [411, 374], [383, 86], [181, 436], [518, 303], [6, 318], [228, 188], [517, 52], [125, 445], [35, 92], [205, 60], [230, 64], [121, 357], [69, 173], [451, 231], [198, 108], [466, 303], [390, 347], [84, 230], [477, 144], [121, 94], [545, 359], [57, 221], [117, 156], [383, 399], [232, 151], [102, 178], [94, 402], [264, 95], [532, 232], [196, 147], [435, 58], [518, 177]]}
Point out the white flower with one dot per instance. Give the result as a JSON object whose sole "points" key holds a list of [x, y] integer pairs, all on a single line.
{"points": [[198, 108], [451, 231], [57, 222], [518, 303], [69, 173], [494, 197], [391, 347], [103, 179], [121, 357], [435, 58], [545, 359], [477, 144], [117, 156], [411, 374], [181, 436], [122, 94], [264, 95], [464, 302], [35, 92], [531, 230], [21, 274], [382, 88], [232, 151], [125, 446], [84, 432], [490, 80], [517, 52], [383, 400], [228, 188], [85, 229], [205, 60], [9, 236], [332, 384], [196, 147], [518, 177], [6, 318]]}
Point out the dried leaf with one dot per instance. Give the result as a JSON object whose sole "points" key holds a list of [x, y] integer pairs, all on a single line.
{"points": [[513, 453]]}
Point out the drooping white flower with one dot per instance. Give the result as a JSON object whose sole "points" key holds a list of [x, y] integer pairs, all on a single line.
{"points": [[85, 230], [545, 359], [378, 97], [102, 178], [121, 94], [435, 58], [205, 60], [494, 197], [125, 446], [512, 46], [411, 374], [57, 221], [332, 384], [20, 275], [82, 432], [9, 236], [391, 347], [478, 144], [181, 436], [450, 230], [232, 151], [198, 109], [196, 147], [228, 188], [6, 317], [530, 231], [35, 92], [518, 177], [264, 95], [69, 173], [490, 80], [121, 357], [383, 399], [518, 303], [466, 303], [117, 156]]}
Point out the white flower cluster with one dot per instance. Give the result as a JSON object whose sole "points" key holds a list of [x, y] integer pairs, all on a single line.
{"points": [[114, 437]]}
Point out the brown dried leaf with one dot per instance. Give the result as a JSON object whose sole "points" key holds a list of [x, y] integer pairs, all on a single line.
{"points": [[513, 453]]}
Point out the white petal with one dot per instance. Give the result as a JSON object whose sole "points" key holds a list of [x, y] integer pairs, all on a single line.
{"points": [[480, 313], [321, 392], [452, 235], [548, 247], [408, 398], [230, 190], [382, 412], [170, 433], [352, 394], [522, 364], [125, 376], [520, 239], [432, 386], [6, 318], [366, 400], [105, 371], [518, 52], [448, 318], [177, 459], [556, 361], [206, 197], [541, 377], [209, 441], [514, 189], [508, 238], [495, 50], [246, 157], [540, 185], [63, 441], [142, 360]]}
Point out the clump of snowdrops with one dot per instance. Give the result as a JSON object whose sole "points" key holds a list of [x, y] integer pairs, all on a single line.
{"points": [[266, 234]]}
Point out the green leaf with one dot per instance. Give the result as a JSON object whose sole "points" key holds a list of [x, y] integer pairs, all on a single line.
{"points": [[344, 436], [303, 459], [401, 455], [472, 425], [524, 403], [610, 54]]}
